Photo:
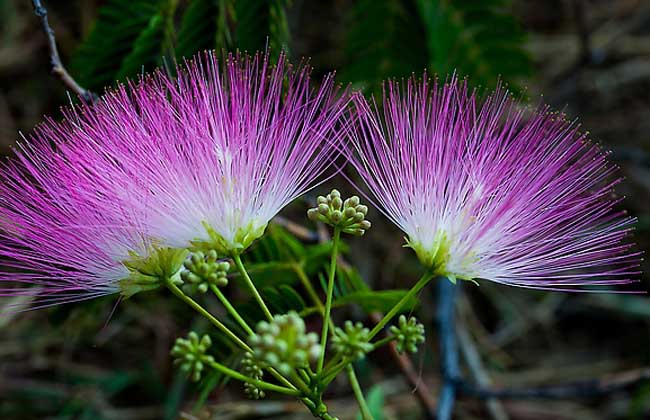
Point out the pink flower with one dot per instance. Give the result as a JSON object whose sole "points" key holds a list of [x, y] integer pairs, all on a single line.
{"points": [[110, 198], [490, 190]]}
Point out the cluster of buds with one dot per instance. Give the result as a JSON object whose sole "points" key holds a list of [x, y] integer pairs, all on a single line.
{"points": [[352, 341], [203, 270], [409, 333], [189, 354], [284, 344], [348, 215], [252, 369]]}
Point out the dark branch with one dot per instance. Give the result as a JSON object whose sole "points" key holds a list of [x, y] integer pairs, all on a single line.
{"points": [[579, 389], [55, 60], [448, 348]]}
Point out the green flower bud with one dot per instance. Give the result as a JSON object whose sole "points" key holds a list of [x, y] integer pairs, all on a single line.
{"points": [[337, 203], [284, 344], [352, 201], [202, 270], [189, 354], [313, 214], [252, 369], [347, 215], [321, 200], [408, 333], [323, 209], [352, 340]]}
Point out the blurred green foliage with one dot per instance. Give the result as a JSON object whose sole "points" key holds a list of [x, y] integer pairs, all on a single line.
{"points": [[383, 38]]}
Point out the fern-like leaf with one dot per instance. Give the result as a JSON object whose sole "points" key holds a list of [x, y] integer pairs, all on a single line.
{"points": [[206, 24], [383, 40], [394, 38], [119, 24], [477, 38], [147, 50], [259, 21]]}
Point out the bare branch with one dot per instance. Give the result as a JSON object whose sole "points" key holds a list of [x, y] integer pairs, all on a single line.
{"points": [[55, 60], [605, 385]]}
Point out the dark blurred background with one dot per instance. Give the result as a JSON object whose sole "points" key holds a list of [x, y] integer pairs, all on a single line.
{"points": [[591, 58]]}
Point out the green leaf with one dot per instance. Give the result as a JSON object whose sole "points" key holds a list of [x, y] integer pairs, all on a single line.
{"points": [[292, 298], [395, 38], [480, 39], [259, 21], [205, 25], [381, 301], [213, 380], [119, 24], [147, 50], [375, 401], [384, 40]]}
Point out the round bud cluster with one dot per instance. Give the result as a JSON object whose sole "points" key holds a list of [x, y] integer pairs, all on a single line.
{"points": [[203, 270], [284, 343], [348, 215], [408, 333], [252, 369], [352, 340], [190, 354]]}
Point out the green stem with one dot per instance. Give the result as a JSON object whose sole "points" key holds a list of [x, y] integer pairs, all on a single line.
{"points": [[363, 406], [231, 310], [332, 362], [251, 286], [179, 293], [300, 384], [424, 280], [332, 373], [328, 301], [198, 308], [382, 342], [300, 272], [258, 383]]}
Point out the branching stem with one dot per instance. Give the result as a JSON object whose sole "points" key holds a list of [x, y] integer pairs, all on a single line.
{"points": [[424, 280], [358, 394], [251, 286], [328, 301]]}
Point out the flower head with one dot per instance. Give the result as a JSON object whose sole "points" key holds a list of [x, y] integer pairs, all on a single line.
{"points": [[191, 354], [247, 138], [202, 160], [486, 189], [352, 341], [284, 343], [409, 333], [59, 244]]}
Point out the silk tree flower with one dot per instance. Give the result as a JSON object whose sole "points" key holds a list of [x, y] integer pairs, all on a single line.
{"points": [[60, 246], [234, 145], [487, 189], [110, 198]]}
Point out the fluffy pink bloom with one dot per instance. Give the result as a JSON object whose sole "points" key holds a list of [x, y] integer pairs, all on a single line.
{"points": [[486, 189], [205, 158]]}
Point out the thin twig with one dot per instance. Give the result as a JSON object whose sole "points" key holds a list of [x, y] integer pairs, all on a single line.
{"points": [[55, 60], [420, 388]]}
